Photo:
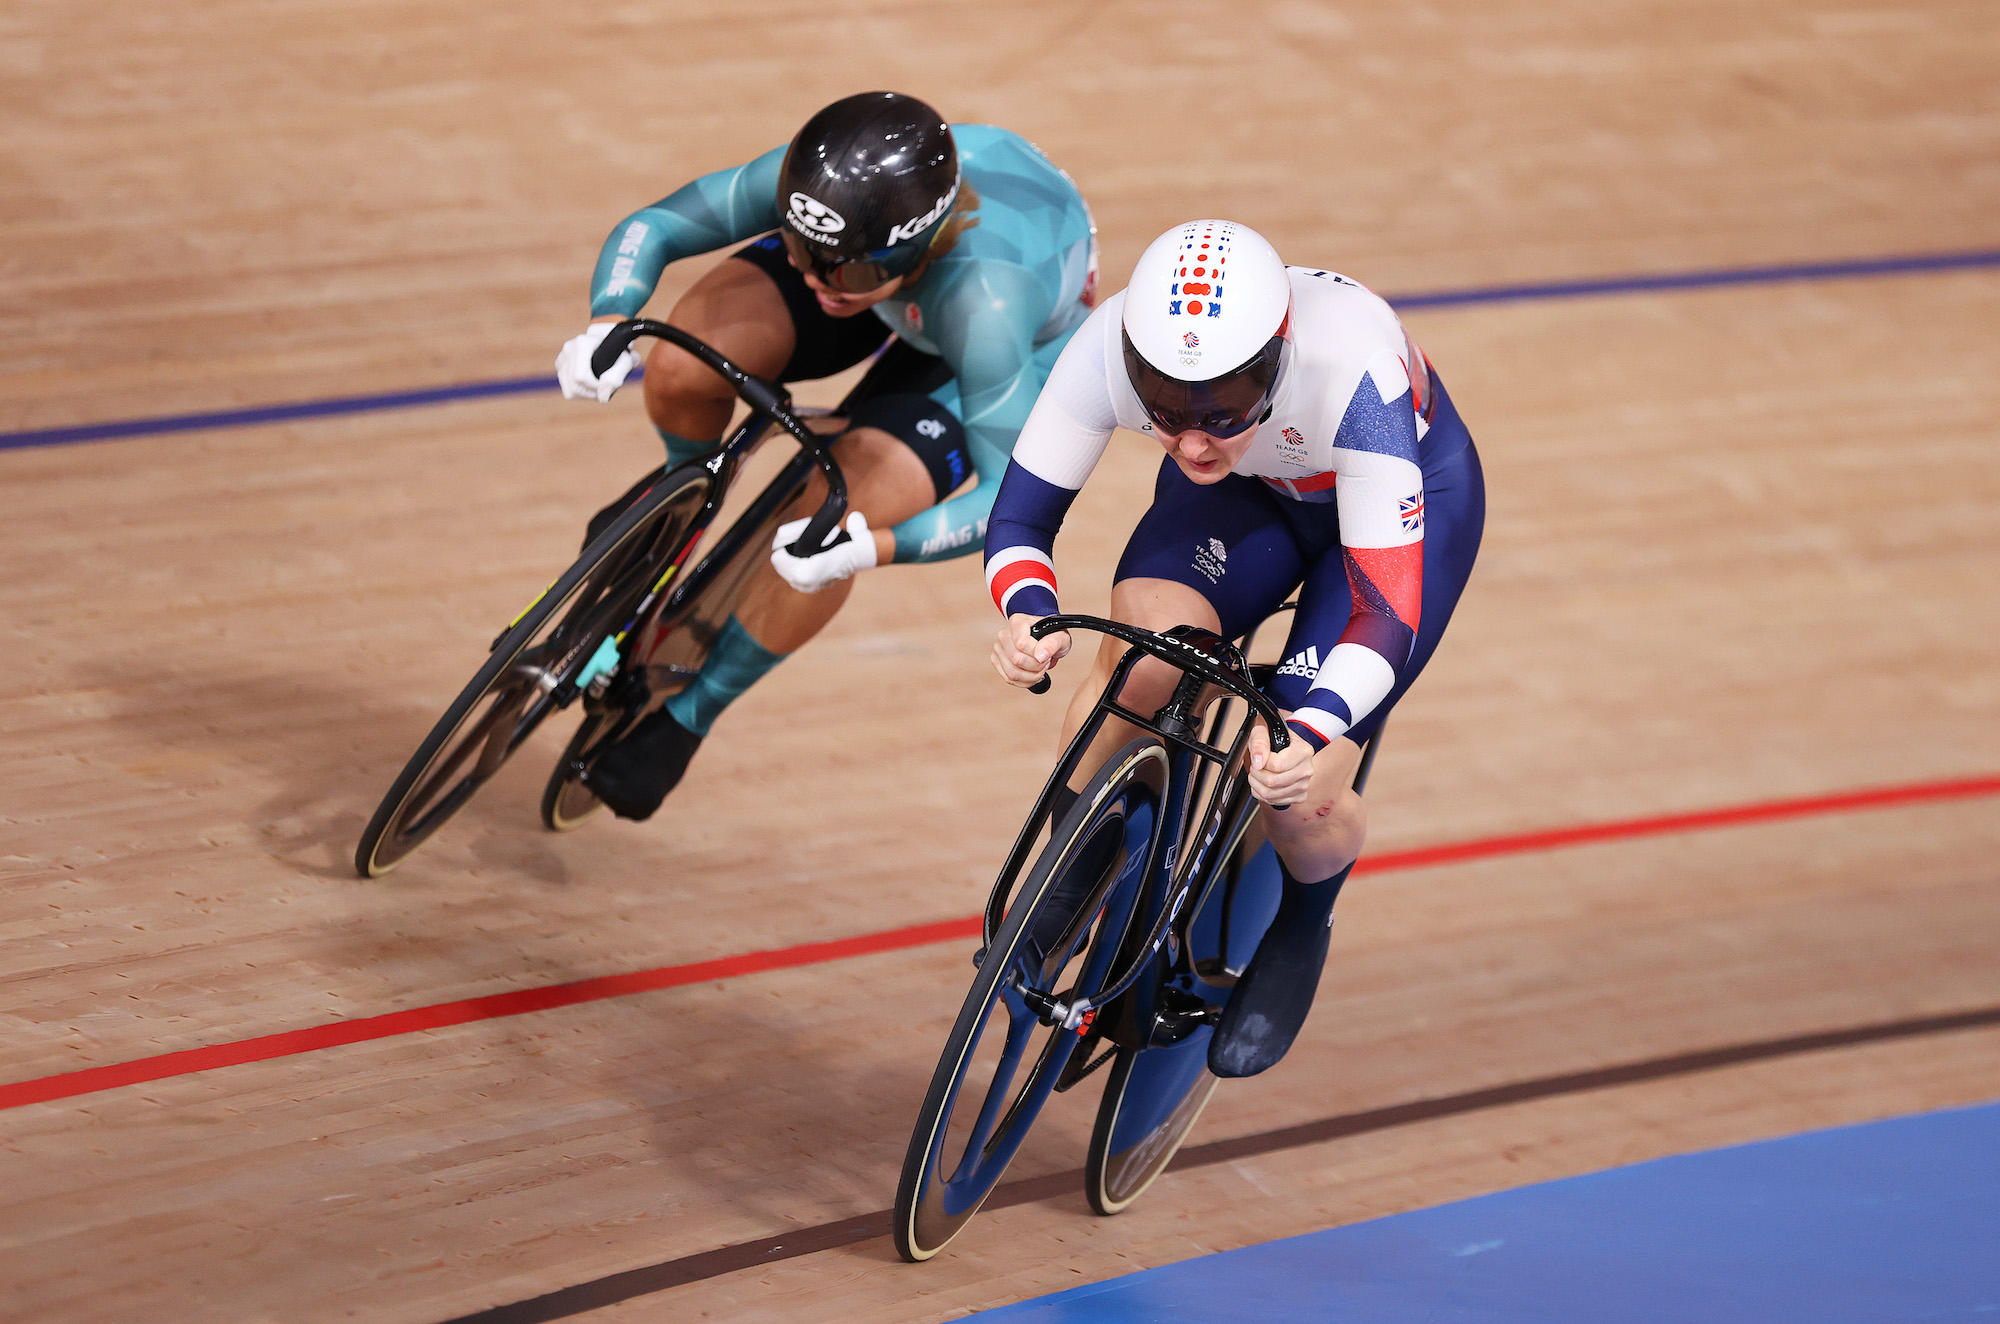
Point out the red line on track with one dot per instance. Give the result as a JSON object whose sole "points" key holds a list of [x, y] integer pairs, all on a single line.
{"points": [[1880, 797], [289, 1043], [265, 1047]]}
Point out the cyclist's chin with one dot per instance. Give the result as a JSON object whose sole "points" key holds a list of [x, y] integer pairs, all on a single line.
{"points": [[852, 304]]}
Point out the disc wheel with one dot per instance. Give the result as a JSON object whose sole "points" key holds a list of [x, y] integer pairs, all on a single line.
{"points": [[1061, 934], [543, 651], [1153, 1097]]}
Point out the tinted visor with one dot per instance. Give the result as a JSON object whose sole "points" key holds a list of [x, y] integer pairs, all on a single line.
{"points": [[1224, 406], [851, 275]]}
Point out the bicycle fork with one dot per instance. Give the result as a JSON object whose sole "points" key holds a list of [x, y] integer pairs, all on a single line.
{"points": [[1174, 1018]]}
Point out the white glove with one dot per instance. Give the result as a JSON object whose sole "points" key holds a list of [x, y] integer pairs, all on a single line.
{"points": [[810, 574], [573, 366]]}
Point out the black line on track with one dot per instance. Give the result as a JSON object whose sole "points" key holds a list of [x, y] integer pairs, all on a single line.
{"points": [[617, 1287]]}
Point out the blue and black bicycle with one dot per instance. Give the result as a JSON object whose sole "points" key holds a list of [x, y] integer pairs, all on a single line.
{"points": [[1112, 939]]}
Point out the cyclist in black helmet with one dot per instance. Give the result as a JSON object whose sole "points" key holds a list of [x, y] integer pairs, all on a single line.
{"points": [[956, 253]]}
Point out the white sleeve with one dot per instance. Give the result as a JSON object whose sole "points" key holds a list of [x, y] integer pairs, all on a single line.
{"points": [[1073, 418]]}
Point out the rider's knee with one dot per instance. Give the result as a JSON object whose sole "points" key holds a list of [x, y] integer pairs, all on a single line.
{"points": [[1345, 812], [674, 374], [1334, 821], [1149, 685]]}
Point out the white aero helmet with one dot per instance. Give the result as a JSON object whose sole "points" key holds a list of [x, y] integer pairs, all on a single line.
{"points": [[1207, 317]]}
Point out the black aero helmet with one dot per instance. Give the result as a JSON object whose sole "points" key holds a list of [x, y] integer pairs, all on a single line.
{"points": [[864, 188]]}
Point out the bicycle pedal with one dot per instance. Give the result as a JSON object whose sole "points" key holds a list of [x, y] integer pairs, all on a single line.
{"points": [[1179, 1016], [628, 691]]}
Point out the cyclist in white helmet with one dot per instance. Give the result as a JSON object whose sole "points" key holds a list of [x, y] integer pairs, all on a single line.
{"points": [[1310, 446]]}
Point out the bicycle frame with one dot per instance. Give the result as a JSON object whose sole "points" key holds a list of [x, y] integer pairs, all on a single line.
{"points": [[1204, 660], [672, 593], [768, 399]]}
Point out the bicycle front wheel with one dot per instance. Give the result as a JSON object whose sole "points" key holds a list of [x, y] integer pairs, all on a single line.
{"points": [[546, 648], [1061, 934]]}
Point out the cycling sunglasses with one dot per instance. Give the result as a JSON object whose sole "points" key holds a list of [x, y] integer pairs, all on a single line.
{"points": [[851, 275], [1223, 407]]}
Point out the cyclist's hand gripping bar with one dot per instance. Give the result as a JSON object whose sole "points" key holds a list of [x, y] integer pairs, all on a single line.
{"points": [[1174, 652], [767, 398]]}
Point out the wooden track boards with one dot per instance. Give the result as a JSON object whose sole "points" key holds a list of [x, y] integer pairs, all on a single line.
{"points": [[1741, 548]]}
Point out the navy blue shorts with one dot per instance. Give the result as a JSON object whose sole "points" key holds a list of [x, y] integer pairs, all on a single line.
{"points": [[893, 395], [1245, 548], [821, 344]]}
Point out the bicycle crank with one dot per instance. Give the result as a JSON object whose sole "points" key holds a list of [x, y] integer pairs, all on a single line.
{"points": [[1179, 1015]]}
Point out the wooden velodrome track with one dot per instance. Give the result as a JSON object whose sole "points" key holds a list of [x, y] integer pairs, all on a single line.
{"points": [[1742, 551]]}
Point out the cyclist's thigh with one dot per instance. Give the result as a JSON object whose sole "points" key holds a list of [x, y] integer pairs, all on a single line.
{"points": [[1151, 604], [901, 453], [820, 345], [1227, 541], [737, 308], [929, 441], [1157, 604]]}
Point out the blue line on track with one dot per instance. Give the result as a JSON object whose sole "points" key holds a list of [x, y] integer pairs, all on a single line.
{"points": [[237, 418], [1919, 264]]}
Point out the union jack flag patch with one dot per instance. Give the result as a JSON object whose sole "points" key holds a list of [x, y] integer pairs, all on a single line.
{"points": [[1411, 508]]}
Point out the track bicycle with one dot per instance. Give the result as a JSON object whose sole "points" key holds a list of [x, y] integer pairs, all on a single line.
{"points": [[1119, 944], [626, 627]]}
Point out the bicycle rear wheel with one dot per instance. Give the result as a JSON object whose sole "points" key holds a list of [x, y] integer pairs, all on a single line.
{"points": [[1154, 1096], [547, 648], [1061, 934], [567, 804], [1151, 1101]]}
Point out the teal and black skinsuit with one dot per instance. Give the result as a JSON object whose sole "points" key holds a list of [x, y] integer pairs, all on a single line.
{"points": [[998, 307]]}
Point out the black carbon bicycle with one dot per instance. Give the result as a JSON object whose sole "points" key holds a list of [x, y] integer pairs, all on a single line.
{"points": [[626, 627], [1117, 945]]}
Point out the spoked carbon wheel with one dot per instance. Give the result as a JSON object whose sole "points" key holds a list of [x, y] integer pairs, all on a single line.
{"points": [[540, 654], [1061, 935], [1151, 1101]]}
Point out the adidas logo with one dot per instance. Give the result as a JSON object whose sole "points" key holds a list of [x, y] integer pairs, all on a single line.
{"points": [[1301, 664]]}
